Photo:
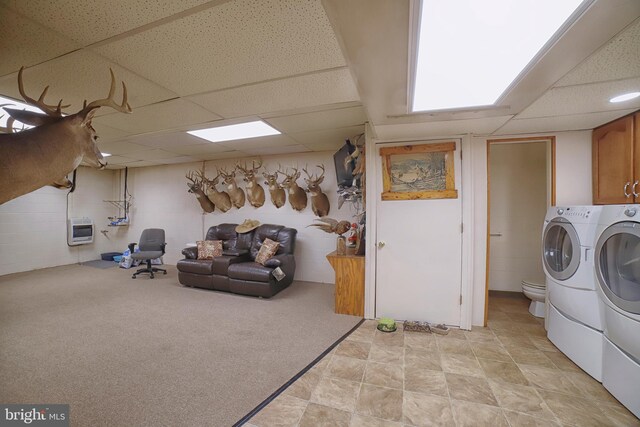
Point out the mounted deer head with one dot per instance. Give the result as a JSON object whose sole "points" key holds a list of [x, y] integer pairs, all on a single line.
{"points": [[57, 145], [255, 192], [236, 193], [219, 198], [319, 201], [278, 196], [297, 196], [196, 187]]}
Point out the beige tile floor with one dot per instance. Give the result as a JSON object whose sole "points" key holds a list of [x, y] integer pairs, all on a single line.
{"points": [[508, 374]]}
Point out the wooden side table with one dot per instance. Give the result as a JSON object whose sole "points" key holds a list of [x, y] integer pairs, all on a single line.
{"points": [[349, 283]]}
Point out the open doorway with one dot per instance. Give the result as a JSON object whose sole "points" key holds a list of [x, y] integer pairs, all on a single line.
{"points": [[520, 188]]}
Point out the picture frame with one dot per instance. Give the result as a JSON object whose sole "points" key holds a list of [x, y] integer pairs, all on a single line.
{"points": [[414, 172]]}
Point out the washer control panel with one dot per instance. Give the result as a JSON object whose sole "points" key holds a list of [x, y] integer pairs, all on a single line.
{"points": [[575, 212]]}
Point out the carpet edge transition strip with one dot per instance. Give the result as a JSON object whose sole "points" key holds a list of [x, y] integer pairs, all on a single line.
{"points": [[304, 370]]}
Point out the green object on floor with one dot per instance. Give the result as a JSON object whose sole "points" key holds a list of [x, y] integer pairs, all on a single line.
{"points": [[386, 324]]}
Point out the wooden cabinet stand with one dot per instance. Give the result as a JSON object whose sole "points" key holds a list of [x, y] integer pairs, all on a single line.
{"points": [[349, 283]]}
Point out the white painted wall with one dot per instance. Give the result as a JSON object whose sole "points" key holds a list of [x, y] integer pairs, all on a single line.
{"points": [[573, 186], [518, 206], [33, 230], [161, 200]]}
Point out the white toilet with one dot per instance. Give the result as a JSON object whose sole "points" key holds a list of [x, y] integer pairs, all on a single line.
{"points": [[536, 291]]}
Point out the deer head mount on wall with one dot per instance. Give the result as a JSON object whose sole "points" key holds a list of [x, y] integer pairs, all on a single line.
{"points": [[278, 196], [319, 201], [46, 154], [235, 193], [219, 198], [297, 196], [255, 192], [197, 187]]}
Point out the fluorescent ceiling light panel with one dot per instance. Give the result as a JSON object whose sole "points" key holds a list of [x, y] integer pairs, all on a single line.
{"points": [[16, 105], [470, 51], [625, 97], [105, 154], [233, 132]]}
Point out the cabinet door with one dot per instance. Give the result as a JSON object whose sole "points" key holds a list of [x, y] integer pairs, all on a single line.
{"points": [[613, 162]]}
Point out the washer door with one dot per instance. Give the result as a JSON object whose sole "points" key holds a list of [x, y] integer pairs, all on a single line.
{"points": [[560, 249], [618, 265]]}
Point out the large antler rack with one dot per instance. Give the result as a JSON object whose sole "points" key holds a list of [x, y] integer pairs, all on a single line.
{"points": [[108, 101], [50, 110]]}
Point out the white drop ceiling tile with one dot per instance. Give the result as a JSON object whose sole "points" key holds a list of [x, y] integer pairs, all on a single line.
{"points": [[328, 135], [179, 159], [267, 151], [146, 154], [582, 99], [90, 21], [618, 59], [142, 163], [260, 142], [161, 116], [120, 147], [481, 126], [235, 43], [167, 140], [338, 118], [118, 160], [198, 149], [22, 42], [107, 133], [222, 155], [325, 146], [329, 87], [114, 166], [560, 123], [83, 75]]}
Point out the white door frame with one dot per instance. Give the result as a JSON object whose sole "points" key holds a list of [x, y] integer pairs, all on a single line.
{"points": [[373, 197]]}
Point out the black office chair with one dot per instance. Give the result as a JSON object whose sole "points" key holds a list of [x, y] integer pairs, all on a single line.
{"points": [[151, 246]]}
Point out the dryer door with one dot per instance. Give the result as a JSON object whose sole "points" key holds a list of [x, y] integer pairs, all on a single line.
{"points": [[560, 249], [618, 265]]}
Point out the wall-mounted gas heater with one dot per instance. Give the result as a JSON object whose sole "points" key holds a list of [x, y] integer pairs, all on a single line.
{"points": [[79, 231]]}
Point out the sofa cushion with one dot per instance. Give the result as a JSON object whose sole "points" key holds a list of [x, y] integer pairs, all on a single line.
{"points": [[221, 264], [250, 271], [267, 250], [230, 239], [209, 249], [265, 231], [197, 266]]}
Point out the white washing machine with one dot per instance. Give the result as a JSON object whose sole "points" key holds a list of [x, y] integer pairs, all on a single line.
{"points": [[617, 270], [575, 310]]}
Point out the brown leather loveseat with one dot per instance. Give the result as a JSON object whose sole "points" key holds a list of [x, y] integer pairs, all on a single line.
{"points": [[236, 270]]}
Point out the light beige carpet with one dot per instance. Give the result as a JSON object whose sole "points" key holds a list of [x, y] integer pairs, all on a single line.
{"points": [[151, 352]]}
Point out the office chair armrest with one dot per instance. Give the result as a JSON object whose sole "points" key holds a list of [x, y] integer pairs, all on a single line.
{"points": [[132, 246], [164, 245]]}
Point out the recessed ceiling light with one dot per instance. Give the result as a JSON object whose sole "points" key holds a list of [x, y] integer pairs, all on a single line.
{"points": [[469, 51], [105, 154], [233, 132], [625, 97]]}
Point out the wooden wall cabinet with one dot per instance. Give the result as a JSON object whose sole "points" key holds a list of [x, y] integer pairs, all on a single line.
{"points": [[616, 161]]}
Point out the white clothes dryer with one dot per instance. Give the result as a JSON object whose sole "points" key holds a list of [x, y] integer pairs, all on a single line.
{"points": [[575, 310], [617, 270]]}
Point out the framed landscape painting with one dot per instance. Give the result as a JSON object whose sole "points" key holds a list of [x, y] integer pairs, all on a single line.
{"points": [[424, 171]]}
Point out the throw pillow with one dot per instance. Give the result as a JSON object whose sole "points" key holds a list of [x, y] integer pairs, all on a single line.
{"points": [[267, 250], [209, 249]]}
